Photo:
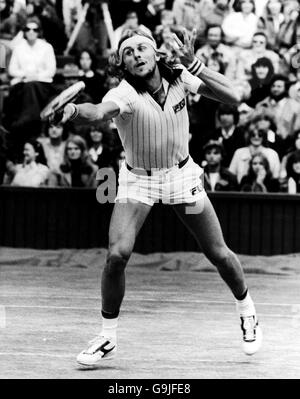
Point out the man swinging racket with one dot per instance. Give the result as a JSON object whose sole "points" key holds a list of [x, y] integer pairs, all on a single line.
{"points": [[149, 109]]}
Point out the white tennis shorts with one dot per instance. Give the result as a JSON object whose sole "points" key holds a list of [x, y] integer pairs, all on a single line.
{"points": [[171, 186]]}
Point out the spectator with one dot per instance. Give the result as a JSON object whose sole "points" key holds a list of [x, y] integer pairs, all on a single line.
{"points": [[216, 176], [131, 22], [293, 173], [262, 73], [239, 27], [214, 37], [295, 147], [52, 26], [259, 177], [288, 29], [99, 151], [214, 12], [93, 32], [54, 146], [229, 134], [77, 170], [189, 14], [257, 141], [245, 115], [32, 67], [152, 17], [11, 22], [285, 110], [94, 82], [71, 10], [33, 172], [271, 21], [266, 124], [258, 50]]}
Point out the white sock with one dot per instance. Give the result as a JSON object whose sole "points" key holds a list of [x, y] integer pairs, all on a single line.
{"points": [[109, 327], [246, 306]]}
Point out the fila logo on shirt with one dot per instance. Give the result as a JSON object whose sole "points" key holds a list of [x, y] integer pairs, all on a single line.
{"points": [[178, 107], [197, 189]]}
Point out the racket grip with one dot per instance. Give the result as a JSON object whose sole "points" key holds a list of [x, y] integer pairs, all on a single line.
{"points": [[56, 118]]}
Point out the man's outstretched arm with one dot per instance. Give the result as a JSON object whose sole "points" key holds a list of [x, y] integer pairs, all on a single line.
{"points": [[88, 112]]}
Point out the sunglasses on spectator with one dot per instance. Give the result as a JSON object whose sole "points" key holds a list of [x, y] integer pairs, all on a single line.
{"points": [[28, 29], [259, 41], [256, 133]]}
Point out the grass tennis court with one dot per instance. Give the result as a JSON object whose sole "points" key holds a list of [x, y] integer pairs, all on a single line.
{"points": [[178, 321]]}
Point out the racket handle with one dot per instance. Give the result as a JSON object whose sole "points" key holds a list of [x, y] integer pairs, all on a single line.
{"points": [[56, 118]]}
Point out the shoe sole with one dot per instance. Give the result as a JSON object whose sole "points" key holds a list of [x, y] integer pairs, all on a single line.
{"points": [[109, 356], [255, 345]]}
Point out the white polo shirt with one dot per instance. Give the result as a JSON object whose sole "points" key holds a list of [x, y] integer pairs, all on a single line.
{"points": [[153, 137]]}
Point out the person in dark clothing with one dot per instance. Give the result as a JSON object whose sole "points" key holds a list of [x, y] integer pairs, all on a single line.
{"points": [[262, 73], [77, 170], [259, 177], [94, 82], [3, 156], [216, 176], [231, 136], [99, 151]]}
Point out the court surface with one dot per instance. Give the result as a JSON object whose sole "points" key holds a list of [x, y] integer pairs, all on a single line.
{"points": [[174, 324]]}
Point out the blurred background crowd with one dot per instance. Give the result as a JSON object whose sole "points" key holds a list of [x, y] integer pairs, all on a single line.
{"points": [[51, 44]]}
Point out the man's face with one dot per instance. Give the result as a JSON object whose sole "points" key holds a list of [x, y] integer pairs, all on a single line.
{"points": [[278, 88], [213, 156], [255, 135], [31, 31], [140, 59], [214, 36]]}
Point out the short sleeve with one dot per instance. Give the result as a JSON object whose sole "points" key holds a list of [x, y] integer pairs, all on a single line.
{"points": [[123, 96], [191, 82]]}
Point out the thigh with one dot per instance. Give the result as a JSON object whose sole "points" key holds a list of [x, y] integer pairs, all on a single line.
{"points": [[126, 222], [203, 223]]}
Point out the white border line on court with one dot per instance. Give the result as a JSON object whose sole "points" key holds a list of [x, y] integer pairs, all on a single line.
{"points": [[158, 311], [130, 298]]}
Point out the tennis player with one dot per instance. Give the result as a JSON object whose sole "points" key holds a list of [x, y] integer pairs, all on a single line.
{"points": [[150, 111]]}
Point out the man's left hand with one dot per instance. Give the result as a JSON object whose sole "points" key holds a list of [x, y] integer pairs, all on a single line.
{"points": [[185, 51]]}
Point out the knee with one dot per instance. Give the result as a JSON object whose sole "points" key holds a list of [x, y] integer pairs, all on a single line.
{"points": [[220, 256], [117, 257]]}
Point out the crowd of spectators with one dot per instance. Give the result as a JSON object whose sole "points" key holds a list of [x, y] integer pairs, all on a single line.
{"points": [[254, 146]]}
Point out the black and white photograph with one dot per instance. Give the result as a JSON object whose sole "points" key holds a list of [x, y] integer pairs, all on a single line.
{"points": [[150, 193]]}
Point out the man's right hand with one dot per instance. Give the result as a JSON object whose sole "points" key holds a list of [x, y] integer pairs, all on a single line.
{"points": [[63, 115]]}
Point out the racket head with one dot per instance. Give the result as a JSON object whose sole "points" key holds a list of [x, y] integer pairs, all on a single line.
{"points": [[58, 103]]}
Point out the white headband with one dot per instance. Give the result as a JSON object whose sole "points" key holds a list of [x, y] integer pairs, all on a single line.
{"points": [[134, 40]]}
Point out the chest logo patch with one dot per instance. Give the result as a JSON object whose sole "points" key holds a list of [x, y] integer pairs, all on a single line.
{"points": [[178, 107]]}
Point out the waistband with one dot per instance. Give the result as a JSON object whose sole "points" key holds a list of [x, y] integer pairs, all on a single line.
{"points": [[151, 172]]}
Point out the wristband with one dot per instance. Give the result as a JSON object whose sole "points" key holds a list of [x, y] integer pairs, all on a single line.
{"points": [[75, 112], [196, 67]]}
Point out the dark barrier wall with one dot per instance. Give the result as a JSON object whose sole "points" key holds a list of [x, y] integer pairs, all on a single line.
{"points": [[255, 224]]}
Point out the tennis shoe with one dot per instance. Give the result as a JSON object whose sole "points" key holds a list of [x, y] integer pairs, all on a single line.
{"points": [[252, 334], [100, 348]]}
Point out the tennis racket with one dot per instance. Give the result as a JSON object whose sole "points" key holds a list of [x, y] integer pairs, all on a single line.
{"points": [[53, 111]]}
